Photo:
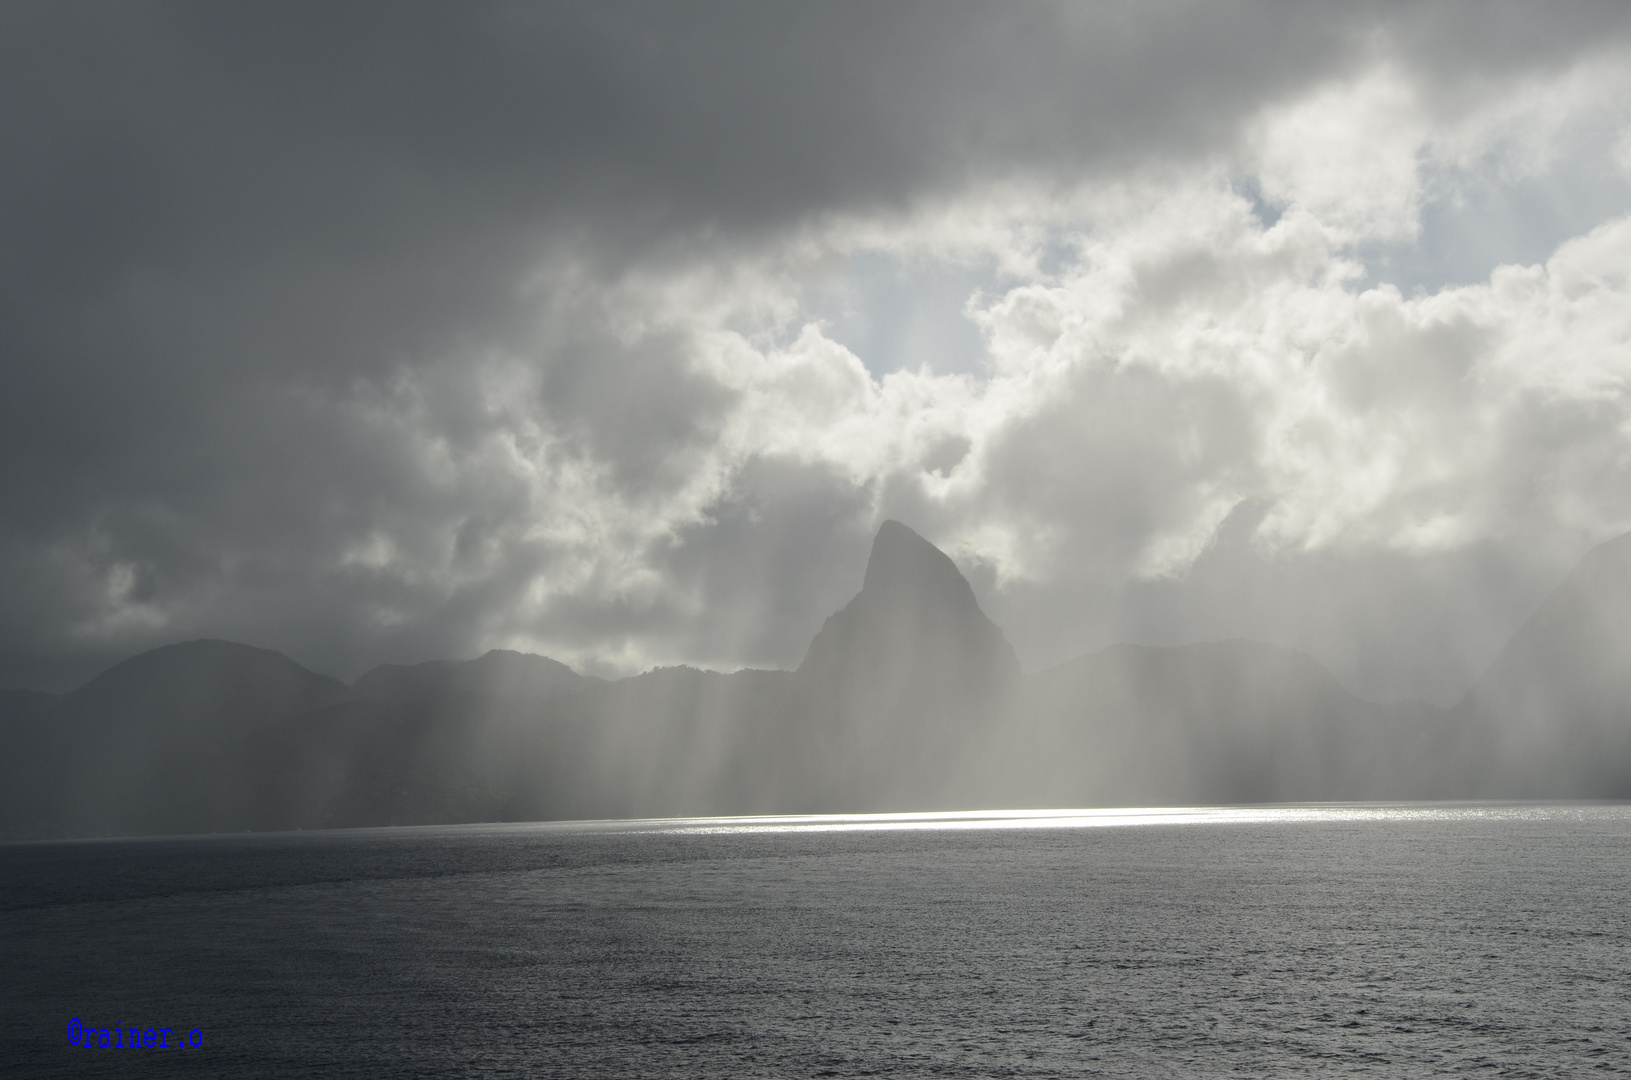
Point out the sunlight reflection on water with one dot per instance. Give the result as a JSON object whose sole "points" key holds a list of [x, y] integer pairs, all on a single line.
{"points": [[1085, 818]]}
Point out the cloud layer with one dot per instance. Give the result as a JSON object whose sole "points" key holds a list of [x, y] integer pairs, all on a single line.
{"points": [[611, 332]]}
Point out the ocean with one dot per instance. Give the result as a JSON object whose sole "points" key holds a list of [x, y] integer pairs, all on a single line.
{"points": [[1384, 941]]}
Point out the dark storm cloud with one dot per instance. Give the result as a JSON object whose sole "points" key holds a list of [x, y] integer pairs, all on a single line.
{"points": [[232, 230]]}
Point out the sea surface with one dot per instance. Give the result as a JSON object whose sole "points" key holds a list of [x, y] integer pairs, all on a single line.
{"points": [[1384, 941]]}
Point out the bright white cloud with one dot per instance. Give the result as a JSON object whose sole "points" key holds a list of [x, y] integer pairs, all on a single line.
{"points": [[1182, 357], [1349, 154]]}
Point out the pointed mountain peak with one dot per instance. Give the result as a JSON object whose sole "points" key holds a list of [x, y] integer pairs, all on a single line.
{"points": [[915, 612], [902, 561]]}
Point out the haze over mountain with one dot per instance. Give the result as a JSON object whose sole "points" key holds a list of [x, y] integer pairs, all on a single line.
{"points": [[908, 697]]}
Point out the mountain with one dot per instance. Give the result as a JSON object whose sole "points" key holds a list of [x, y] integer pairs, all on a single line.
{"points": [[908, 697], [896, 686], [167, 740], [213, 736], [1556, 701], [164, 740], [880, 714], [193, 681]]}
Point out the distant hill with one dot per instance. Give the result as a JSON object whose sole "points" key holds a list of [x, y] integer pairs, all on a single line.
{"points": [[909, 697], [167, 741]]}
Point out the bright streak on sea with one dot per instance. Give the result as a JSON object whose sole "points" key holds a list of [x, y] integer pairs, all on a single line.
{"points": [[1069, 818]]}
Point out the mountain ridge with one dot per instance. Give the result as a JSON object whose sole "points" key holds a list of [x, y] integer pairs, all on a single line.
{"points": [[909, 697]]}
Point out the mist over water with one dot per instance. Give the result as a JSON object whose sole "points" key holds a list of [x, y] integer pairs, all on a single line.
{"points": [[1392, 941]]}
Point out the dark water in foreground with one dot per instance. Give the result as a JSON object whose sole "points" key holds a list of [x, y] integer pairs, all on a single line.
{"points": [[1384, 942]]}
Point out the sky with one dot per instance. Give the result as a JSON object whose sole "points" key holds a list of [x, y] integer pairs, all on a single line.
{"points": [[391, 332]]}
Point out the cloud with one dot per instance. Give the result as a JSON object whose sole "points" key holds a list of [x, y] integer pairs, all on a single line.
{"points": [[509, 325], [1347, 154], [1253, 371]]}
